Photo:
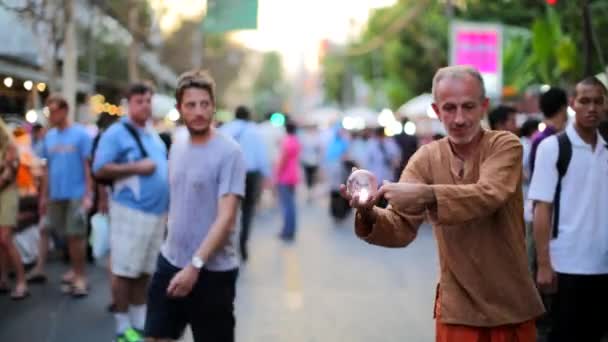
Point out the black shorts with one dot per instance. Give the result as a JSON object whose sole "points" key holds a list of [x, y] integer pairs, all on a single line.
{"points": [[209, 308], [310, 173]]}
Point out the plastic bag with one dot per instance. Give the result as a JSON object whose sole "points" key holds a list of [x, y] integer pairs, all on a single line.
{"points": [[100, 235], [26, 241]]}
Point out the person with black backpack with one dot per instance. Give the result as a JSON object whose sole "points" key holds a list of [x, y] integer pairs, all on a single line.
{"points": [[133, 159], [570, 190], [554, 105]]}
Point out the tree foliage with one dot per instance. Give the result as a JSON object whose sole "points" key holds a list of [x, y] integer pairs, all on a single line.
{"points": [[542, 44], [334, 70], [418, 49], [221, 57], [269, 90]]}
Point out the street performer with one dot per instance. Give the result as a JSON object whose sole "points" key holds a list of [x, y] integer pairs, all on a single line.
{"points": [[468, 185]]}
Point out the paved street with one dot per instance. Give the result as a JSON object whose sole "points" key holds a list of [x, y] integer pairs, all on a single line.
{"points": [[328, 286]]}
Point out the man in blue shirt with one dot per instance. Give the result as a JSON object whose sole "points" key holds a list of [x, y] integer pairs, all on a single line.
{"points": [[65, 195], [246, 134], [132, 154]]}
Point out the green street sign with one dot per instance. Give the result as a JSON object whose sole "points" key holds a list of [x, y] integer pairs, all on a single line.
{"points": [[230, 15]]}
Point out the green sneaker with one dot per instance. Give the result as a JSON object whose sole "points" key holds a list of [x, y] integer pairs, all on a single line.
{"points": [[131, 335]]}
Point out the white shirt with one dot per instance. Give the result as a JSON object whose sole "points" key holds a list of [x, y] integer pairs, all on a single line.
{"points": [[246, 133], [311, 148], [581, 246], [272, 137]]}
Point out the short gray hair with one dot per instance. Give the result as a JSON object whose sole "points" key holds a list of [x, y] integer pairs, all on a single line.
{"points": [[457, 71]]}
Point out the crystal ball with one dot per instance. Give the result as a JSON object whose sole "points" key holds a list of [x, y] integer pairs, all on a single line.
{"points": [[362, 183]]}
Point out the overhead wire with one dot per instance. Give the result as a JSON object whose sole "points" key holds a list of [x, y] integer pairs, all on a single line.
{"points": [[393, 28]]}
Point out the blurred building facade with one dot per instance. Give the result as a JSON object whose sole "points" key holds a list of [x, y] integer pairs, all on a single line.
{"points": [[24, 76]]}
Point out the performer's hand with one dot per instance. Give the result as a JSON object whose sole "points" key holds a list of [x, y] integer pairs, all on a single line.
{"points": [[546, 279], [182, 282], [411, 198], [355, 201]]}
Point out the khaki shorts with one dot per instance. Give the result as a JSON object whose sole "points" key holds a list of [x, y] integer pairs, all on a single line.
{"points": [[67, 217], [135, 240], [9, 206]]}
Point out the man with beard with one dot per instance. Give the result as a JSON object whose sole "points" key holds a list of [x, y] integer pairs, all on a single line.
{"points": [[195, 280], [132, 155], [468, 186], [571, 220]]}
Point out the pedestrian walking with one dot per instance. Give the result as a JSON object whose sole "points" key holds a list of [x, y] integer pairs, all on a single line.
{"points": [[9, 206], [312, 149], [195, 280], [247, 135], [570, 189], [66, 191], [288, 176]]}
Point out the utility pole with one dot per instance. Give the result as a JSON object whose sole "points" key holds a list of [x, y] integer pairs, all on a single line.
{"points": [[449, 10], [198, 40], [91, 55], [70, 60], [133, 25], [197, 48], [587, 39]]}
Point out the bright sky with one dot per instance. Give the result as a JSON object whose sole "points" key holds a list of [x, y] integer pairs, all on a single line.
{"points": [[292, 27], [172, 12], [295, 27]]}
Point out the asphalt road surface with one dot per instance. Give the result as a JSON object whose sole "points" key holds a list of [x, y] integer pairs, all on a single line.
{"points": [[327, 286]]}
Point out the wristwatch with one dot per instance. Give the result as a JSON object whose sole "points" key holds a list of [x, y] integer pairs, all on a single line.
{"points": [[197, 262]]}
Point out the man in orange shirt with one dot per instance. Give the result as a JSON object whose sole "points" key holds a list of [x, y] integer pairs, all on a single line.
{"points": [[468, 185]]}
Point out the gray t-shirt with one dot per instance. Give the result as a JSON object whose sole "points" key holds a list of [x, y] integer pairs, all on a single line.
{"points": [[199, 175]]}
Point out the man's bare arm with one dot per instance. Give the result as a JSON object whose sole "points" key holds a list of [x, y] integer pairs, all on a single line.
{"points": [[221, 228], [88, 179], [542, 231], [102, 199], [545, 277], [116, 171], [43, 190]]}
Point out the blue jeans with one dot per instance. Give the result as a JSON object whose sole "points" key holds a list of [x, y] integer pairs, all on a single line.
{"points": [[287, 197]]}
